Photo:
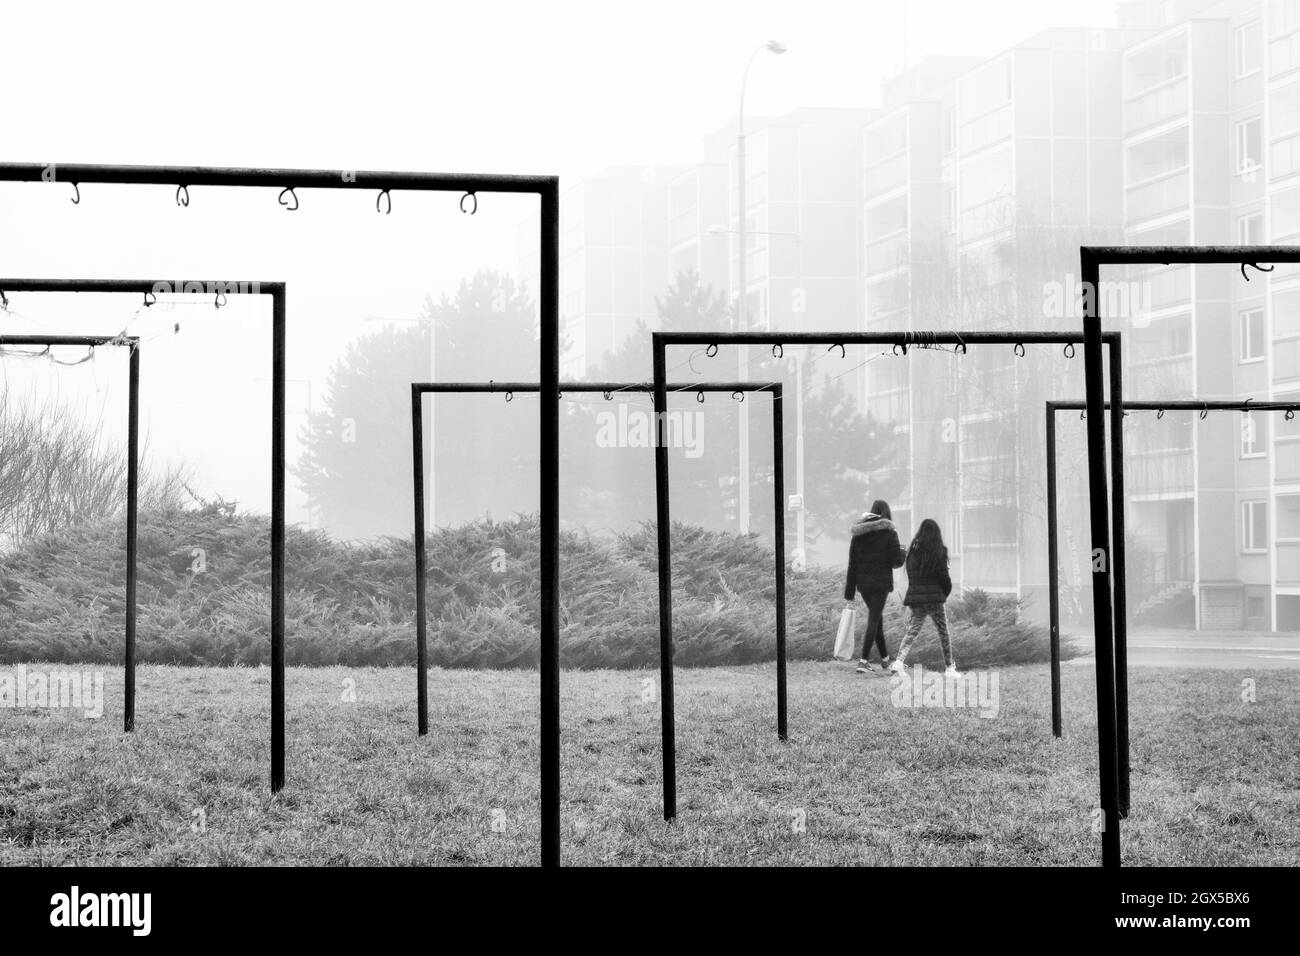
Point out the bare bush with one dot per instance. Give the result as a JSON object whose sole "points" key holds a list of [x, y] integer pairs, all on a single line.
{"points": [[57, 469]]}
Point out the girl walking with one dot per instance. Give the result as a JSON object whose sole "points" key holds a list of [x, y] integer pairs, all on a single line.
{"points": [[874, 553], [928, 586]]}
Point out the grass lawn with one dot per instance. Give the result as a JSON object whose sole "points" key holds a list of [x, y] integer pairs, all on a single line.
{"points": [[1215, 781]]}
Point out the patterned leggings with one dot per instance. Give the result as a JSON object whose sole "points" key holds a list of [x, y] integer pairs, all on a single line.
{"points": [[919, 613]]}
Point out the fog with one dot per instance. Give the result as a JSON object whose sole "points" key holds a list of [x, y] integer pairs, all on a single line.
{"points": [[634, 106]]}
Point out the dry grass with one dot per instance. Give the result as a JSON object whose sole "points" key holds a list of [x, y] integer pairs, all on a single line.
{"points": [[1215, 780]]}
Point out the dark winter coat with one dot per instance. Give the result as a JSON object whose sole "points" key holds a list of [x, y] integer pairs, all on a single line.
{"points": [[927, 582], [874, 552]]}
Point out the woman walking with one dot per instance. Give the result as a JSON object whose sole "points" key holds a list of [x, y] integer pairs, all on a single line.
{"points": [[928, 586], [874, 553]]}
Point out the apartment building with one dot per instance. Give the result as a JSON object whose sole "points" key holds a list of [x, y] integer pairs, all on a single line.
{"points": [[980, 180], [614, 253], [1212, 155], [802, 216], [957, 204]]}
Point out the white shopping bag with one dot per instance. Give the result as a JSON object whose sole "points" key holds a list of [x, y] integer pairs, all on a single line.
{"points": [[844, 636]]}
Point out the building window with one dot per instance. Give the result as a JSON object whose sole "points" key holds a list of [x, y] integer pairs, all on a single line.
{"points": [[1254, 526], [1249, 41], [1250, 146], [1251, 324], [949, 129], [1250, 229], [1252, 442]]}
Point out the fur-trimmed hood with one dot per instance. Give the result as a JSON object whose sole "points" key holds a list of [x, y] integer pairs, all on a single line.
{"points": [[870, 523]]}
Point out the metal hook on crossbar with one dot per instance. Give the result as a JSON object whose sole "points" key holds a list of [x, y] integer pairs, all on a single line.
{"points": [[1019, 350], [1083, 414], [76, 200], [899, 345], [840, 346], [1160, 413], [4, 301], [778, 350], [699, 396], [711, 350], [384, 194], [608, 396], [1069, 350], [473, 209], [510, 396], [1290, 414], [150, 300], [183, 195], [738, 395], [1204, 413], [219, 301], [292, 195], [1257, 267]]}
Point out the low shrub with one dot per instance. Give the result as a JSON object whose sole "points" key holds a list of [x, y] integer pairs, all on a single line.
{"points": [[204, 578]]}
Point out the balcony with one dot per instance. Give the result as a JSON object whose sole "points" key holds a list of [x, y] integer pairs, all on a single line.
{"points": [[1157, 105], [1284, 157], [989, 217], [1158, 197], [1288, 563], [1286, 361], [1286, 461], [886, 175], [888, 254], [1153, 379], [1167, 288], [1166, 472], [683, 226]]}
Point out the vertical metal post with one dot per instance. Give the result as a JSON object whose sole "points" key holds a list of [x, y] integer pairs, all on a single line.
{"points": [[778, 534], [1100, 558], [277, 536], [421, 652], [664, 533], [1117, 562], [742, 322], [132, 521], [800, 541], [1053, 573], [549, 413]]}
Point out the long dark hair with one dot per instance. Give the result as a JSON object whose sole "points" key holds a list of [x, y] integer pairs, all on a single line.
{"points": [[928, 546], [881, 507]]}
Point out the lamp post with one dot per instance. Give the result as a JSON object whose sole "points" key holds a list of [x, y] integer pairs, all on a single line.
{"points": [[742, 322]]}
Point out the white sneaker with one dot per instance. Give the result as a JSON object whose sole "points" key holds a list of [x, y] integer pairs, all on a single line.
{"points": [[898, 667]]}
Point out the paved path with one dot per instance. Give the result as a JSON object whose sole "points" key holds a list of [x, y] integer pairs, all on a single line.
{"points": [[1223, 649]]}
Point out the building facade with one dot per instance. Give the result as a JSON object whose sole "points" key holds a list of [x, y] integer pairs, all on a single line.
{"points": [[960, 202]]}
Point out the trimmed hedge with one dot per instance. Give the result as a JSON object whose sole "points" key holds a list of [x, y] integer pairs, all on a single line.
{"points": [[204, 578]]}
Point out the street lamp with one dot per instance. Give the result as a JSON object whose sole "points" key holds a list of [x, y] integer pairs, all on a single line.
{"points": [[742, 323]]}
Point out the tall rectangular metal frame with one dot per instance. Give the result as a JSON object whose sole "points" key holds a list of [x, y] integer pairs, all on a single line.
{"points": [[1110, 616], [547, 189], [1053, 522], [1104, 637], [132, 343], [278, 293], [420, 389]]}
